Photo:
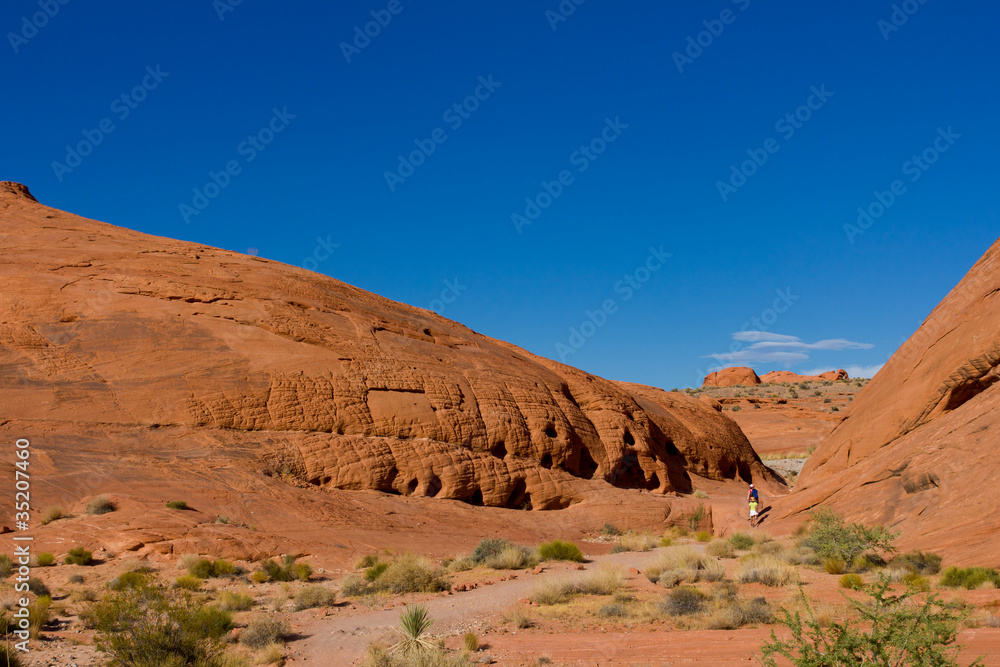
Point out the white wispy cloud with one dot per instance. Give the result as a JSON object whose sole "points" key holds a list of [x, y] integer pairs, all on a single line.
{"points": [[774, 348]]}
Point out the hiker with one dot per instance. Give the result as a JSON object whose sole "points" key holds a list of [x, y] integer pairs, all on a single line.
{"points": [[753, 501]]}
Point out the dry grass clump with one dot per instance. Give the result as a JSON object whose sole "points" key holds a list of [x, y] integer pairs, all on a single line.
{"points": [[518, 617], [100, 505], [405, 574], [703, 536], [742, 541], [770, 548], [852, 581], [767, 570], [680, 564], [720, 549], [263, 631], [552, 591], [632, 541], [802, 556], [310, 597], [605, 580], [683, 601], [234, 601], [834, 566], [51, 514], [736, 613], [511, 557]]}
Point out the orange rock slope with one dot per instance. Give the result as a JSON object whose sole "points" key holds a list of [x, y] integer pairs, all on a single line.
{"points": [[920, 447], [776, 377], [125, 346], [731, 377]]}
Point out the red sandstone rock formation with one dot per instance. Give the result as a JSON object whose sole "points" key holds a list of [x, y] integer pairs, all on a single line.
{"points": [[919, 447], [730, 377], [777, 377], [120, 347]]}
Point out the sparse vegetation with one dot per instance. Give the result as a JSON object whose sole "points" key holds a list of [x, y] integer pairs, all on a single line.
{"points": [[366, 561], [742, 541], [605, 580], [263, 631], [209, 569], [470, 641], [560, 550], [45, 559], [767, 570], [38, 587], [890, 630], [79, 556], [235, 601], [852, 581], [832, 537], [310, 597], [635, 542], [720, 549], [917, 561], [100, 505], [413, 624], [518, 617], [610, 530], [703, 536], [6, 566], [187, 582], [177, 505], [683, 601], [51, 514], [970, 578]]}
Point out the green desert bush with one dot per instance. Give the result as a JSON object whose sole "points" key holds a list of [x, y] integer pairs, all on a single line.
{"points": [[605, 580], [703, 536], [552, 591], [413, 625], [177, 504], [511, 557], [51, 514], [560, 550], [885, 630], [79, 556], [188, 582], [720, 549], [470, 641], [489, 547], [128, 580], [366, 562], [767, 570], [614, 610], [830, 536], [742, 541], [354, 586], [375, 571], [736, 613], [610, 530], [38, 587], [970, 578], [147, 626], [834, 565], [209, 569], [6, 566], [235, 601], [309, 597], [852, 581], [101, 505], [410, 574], [45, 559]]}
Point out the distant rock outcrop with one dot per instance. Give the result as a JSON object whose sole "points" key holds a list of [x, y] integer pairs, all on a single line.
{"points": [[777, 377], [114, 344], [918, 449], [730, 377]]}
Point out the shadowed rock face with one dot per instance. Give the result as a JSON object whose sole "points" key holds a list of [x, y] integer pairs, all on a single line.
{"points": [[106, 330], [920, 447]]}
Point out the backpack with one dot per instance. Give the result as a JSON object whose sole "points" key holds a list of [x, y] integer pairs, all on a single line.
{"points": [[753, 494]]}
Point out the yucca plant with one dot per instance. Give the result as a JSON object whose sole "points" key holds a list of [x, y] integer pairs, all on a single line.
{"points": [[413, 623]]}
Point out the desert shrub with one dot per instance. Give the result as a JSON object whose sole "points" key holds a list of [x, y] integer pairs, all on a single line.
{"points": [[742, 541], [511, 557], [79, 556], [683, 601], [302, 571], [700, 494], [470, 641], [802, 556], [610, 530], [262, 631], [674, 558], [38, 587], [413, 624], [51, 514], [76, 579], [146, 626], [381, 656], [767, 570], [636, 542], [834, 565], [720, 549], [613, 610], [309, 597], [177, 504], [703, 536], [832, 537], [552, 591], [916, 581], [209, 569], [769, 548], [889, 630], [375, 571], [736, 613], [366, 561], [45, 559], [235, 601], [128, 580], [38, 615], [605, 580], [489, 547], [100, 505], [918, 561], [259, 577], [188, 582], [517, 616], [354, 586], [969, 577], [6, 566], [560, 550], [409, 574], [9, 656], [852, 581], [866, 562]]}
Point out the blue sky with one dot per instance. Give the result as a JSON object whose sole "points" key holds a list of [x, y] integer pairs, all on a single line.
{"points": [[625, 188]]}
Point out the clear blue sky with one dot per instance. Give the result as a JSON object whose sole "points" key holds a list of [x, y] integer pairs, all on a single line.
{"points": [[879, 96]]}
